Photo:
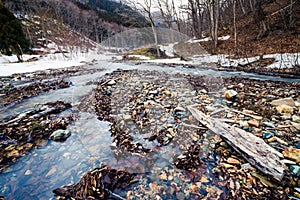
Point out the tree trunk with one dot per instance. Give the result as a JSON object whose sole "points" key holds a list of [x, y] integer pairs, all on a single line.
{"points": [[242, 7], [252, 148], [234, 24], [155, 35]]}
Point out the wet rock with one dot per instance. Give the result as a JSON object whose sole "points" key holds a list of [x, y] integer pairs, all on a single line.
{"points": [[266, 135], [229, 94], [285, 109], [295, 169], [269, 124], [292, 153], [285, 101], [60, 135]]}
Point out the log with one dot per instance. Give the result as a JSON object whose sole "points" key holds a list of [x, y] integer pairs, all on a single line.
{"points": [[252, 148]]}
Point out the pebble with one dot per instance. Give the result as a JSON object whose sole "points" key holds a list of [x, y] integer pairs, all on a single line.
{"points": [[266, 135], [111, 82], [272, 139], [295, 169], [60, 134], [227, 166], [229, 94], [253, 122], [296, 118], [233, 161], [269, 124], [245, 166], [28, 172], [285, 109], [292, 153]]}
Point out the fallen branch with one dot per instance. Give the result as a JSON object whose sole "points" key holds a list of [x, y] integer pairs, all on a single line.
{"points": [[252, 148]]}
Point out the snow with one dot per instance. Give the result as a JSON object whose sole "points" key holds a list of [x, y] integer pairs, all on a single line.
{"points": [[286, 60], [208, 39], [8, 65], [169, 49]]}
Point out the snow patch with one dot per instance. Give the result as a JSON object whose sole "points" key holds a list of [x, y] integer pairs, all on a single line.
{"points": [[168, 49]]}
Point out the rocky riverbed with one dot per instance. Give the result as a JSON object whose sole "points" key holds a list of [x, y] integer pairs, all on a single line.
{"points": [[177, 157], [162, 151]]}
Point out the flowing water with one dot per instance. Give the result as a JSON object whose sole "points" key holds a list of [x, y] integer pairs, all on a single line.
{"points": [[56, 164]]}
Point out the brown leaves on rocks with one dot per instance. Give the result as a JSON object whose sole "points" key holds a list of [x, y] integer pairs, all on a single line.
{"points": [[97, 184]]}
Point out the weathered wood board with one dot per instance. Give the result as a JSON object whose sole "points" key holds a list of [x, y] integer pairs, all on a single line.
{"points": [[252, 148]]}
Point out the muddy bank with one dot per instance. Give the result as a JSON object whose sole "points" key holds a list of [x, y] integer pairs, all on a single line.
{"points": [[175, 155]]}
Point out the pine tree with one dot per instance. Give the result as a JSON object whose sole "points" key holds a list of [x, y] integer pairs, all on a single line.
{"points": [[12, 37]]}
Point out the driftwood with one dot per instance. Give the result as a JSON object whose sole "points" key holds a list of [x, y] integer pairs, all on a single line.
{"points": [[252, 148]]}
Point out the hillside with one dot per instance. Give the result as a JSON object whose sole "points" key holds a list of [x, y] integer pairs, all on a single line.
{"points": [[278, 39], [96, 20]]}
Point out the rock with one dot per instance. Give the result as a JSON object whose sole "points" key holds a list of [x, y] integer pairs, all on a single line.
{"points": [[245, 166], [285, 109], [111, 82], [233, 161], [296, 118], [14, 153], [179, 109], [60, 135], [292, 153], [266, 135], [296, 125], [285, 101], [295, 169], [269, 124], [154, 92], [243, 123], [28, 172], [253, 122], [229, 94], [163, 176], [272, 139], [226, 165]]}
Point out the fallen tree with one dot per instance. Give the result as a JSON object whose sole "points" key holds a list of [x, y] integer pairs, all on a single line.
{"points": [[252, 148]]}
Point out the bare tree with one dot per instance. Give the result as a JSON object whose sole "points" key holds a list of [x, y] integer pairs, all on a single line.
{"points": [[214, 6], [146, 6], [234, 25]]}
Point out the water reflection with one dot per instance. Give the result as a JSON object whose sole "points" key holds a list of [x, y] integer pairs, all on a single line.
{"points": [[44, 169]]}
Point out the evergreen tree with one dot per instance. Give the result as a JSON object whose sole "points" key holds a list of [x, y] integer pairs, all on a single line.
{"points": [[12, 37]]}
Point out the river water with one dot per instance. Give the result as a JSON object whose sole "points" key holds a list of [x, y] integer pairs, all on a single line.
{"points": [[56, 164]]}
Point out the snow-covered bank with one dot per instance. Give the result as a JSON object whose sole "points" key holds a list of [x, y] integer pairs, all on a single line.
{"points": [[9, 65]]}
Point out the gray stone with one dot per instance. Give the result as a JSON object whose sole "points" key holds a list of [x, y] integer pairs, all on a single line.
{"points": [[295, 169], [111, 82], [60, 135], [285, 101]]}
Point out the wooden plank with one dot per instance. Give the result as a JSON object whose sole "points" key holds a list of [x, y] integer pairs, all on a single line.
{"points": [[252, 148]]}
